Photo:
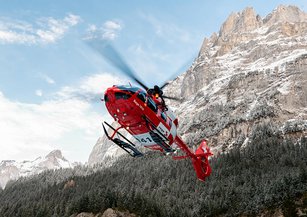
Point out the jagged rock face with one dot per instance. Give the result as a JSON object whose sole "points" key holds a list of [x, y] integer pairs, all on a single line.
{"points": [[8, 171], [246, 21], [285, 14], [253, 71], [53, 159], [12, 170]]}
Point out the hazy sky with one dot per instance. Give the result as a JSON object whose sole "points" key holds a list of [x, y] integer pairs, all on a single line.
{"points": [[48, 73]]}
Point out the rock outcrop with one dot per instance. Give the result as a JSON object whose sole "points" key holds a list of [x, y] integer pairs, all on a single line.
{"points": [[253, 71]]}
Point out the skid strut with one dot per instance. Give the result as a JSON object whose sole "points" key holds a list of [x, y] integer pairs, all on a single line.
{"points": [[126, 145]]}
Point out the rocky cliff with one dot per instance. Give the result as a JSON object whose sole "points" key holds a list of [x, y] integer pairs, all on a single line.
{"points": [[253, 71]]}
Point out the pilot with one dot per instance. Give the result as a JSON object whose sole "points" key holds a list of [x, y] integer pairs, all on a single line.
{"points": [[157, 94], [157, 91]]}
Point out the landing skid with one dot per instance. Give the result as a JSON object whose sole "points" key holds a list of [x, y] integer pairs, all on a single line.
{"points": [[126, 145]]}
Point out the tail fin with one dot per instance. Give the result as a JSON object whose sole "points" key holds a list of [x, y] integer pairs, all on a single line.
{"points": [[201, 162]]}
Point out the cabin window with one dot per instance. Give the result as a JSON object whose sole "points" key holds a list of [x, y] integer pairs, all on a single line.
{"points": [[142, 96], [121, 95], [152, 105], [163, 116]]}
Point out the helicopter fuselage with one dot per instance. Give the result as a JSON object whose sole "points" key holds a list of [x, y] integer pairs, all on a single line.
{"points": [[140, 114]]}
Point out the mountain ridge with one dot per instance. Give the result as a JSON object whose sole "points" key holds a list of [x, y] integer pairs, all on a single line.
{"points": [[12, 170]]}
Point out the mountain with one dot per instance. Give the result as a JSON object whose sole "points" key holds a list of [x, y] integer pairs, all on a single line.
{"points": [[12, 170], [253, 71]]}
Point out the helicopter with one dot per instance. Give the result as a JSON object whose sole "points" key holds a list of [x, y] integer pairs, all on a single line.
{"points": [[143, 113]]}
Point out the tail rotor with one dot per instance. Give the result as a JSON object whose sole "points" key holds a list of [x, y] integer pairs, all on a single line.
{"points": [[201, 161]]}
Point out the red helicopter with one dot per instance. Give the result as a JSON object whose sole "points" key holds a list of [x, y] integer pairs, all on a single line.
{"points": [[144, 114]]}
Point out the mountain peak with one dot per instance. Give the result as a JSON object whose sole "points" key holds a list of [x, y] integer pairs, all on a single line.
{"points": [[285, 13], [246, 20], [55, 154]]}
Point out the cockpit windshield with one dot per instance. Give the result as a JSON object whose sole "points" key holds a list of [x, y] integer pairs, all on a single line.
{"points": [[130, 89], [122, 95]]}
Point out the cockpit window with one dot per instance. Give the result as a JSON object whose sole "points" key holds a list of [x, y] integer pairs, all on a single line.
{"points": [[163, 116], [122, 95], [142, 96], [128, 88], [151, 104]]}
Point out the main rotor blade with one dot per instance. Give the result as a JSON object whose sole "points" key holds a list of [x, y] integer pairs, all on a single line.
{"points": [[172, 98], [114, 58]]}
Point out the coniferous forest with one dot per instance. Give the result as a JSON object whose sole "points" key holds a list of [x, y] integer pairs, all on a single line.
{"points": [[267, 174]]}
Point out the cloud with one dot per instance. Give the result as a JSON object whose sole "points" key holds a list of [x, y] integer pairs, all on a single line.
{"points": [[108, 31], [30, 130], [45, 30], [39, 93], [46, 78], [56, 28], [90, 88], [112, 25]]}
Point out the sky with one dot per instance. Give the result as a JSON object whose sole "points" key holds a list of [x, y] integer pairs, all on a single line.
{"points": [[51, 81]]}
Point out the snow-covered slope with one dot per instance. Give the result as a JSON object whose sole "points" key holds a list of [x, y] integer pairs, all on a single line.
{"points": [[253, 71], [12, 170]]}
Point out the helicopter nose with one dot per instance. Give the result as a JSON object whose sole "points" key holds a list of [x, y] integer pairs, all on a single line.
{"points": [[109, 95]]}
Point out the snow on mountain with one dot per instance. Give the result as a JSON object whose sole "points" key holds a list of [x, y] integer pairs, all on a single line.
{"points": [[253, 71], [12, 170]]}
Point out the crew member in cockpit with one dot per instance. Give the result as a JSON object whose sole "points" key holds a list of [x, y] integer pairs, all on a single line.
{"points": [[157, 94]]}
